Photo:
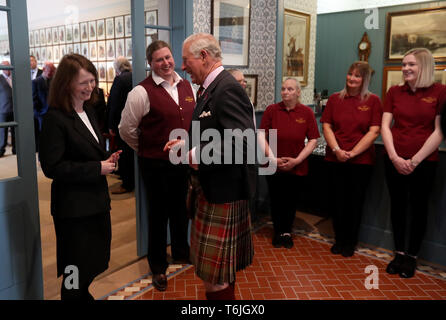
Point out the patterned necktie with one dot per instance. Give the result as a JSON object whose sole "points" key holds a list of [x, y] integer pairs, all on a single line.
{"points": [[200, 91]]}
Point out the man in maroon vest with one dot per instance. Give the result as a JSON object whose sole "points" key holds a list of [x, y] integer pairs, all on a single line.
{"points": [[159, 104]]}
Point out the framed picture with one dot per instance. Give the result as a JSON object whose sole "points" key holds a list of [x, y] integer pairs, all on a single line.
{"points": [[49, 36], [84, 50], [414, 29], [93, 51], [43, 54], [56, 57], [102, 71], [230, 21], [251, 88], [42, 37], [128, 26], [31, 39], [100, 29], [37, 54], [62, 34], [120, 47], [84, 31], [109, 28], [70, 48], [92, 30], [151, 19], [49, 54], [110, 72], [110, 47], [69, 34], [101, 51], [128, 48], [77, 48], [76, 33], [119, 27], [62, 50], [392, 75], [296, 43], [55, 35]]}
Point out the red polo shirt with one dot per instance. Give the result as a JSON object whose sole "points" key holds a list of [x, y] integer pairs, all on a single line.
{"points": [[414, 117], [351, 119], [293, 127]]}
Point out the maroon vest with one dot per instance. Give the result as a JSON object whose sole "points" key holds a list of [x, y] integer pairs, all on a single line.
{"points": [[164, 116]]}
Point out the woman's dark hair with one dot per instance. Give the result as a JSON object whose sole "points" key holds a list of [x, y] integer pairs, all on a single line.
{"points": [[60, 95], [156, 45]]}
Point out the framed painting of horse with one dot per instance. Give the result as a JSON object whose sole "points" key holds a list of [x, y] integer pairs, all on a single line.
{"points": [[296, 43]]}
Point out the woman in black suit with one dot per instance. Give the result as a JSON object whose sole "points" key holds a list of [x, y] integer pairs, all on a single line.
{"points": [[72, 153]]}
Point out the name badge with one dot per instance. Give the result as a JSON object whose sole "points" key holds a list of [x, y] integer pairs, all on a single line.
{"points": [[189, 99], [363, 108], [429, 99], [301, 120]]}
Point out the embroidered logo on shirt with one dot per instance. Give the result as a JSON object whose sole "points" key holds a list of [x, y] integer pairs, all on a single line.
{"points": [[301, 120], [189, 99], [429, 99], [363, 108]]}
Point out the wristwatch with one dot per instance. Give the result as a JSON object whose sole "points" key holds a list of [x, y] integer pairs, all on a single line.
{"points": [[336, 149]]}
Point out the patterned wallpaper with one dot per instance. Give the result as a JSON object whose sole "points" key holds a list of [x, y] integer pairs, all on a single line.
{"points": [[262, 52]]}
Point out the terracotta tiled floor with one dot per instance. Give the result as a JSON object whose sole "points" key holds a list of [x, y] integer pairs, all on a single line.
{"points": [[308, 271]]}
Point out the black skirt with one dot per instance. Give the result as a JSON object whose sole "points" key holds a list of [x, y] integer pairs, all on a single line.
{"points": [[83, 242]]}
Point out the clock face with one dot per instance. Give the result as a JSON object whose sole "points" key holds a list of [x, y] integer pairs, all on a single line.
{"points": [[363, 45]]}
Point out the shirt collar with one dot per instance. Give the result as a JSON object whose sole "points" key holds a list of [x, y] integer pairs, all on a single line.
{"points": [[211, 76], [283, 107], [158, 80]]}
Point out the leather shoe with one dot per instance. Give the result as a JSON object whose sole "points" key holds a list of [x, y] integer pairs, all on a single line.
{"points": [[348, 251], [287, 241], [159, 281], [336, 249], [277, 241], [394, 266], [408, 267]]}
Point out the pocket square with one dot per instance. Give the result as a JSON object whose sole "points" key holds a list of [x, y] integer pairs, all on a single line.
{"points": [[205, 114]]}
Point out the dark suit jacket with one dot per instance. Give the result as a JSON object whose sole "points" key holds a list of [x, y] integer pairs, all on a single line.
{"points": [[5, 96], [40, 91], [121, 87], [71, 156], [230, 108]]}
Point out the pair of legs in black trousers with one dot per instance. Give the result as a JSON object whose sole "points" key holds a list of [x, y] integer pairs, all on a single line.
{"points": [[126, 164], [409, 204], [349, 184], [166, 189], [284, 191]]}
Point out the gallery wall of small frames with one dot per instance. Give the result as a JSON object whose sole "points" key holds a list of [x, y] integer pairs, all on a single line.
{"points": [[101, 41]]}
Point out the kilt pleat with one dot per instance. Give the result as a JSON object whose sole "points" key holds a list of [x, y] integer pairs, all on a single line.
{"points": [[221, 241]]}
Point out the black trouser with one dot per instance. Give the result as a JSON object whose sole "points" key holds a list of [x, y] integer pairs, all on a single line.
{"points": [[284, 192], [409, 201], [126, 164], [6, 117], [166, 188], [348, 185]]}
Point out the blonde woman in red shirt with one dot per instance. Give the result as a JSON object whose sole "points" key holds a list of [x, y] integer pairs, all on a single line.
{"points": [[351, 123], [412, 149]]}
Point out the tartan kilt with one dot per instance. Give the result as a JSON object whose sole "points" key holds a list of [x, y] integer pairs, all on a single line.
{"points": [[221, 241]]}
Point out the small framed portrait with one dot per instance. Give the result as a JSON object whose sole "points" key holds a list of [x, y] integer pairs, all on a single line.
{"points": [[62, 34], [120, 48], [49, 54], [62, 50], [31, 39], [84, 50], [128, 48], [69, 34], [93, 51], [84, 31], [49, 36], [70, 48], [151, 19], [102, 71], [110, 45], [77, 48], [76, 33], [128, 25], [92, 30], [56, 57], [31, 52], [251, 88], [36, 38], [101, 51], [110, 71], [37, 54], [43, 53], [42, 37], [109, 28], [55, 33], [119, 27], [150, 39], [100, 29]]}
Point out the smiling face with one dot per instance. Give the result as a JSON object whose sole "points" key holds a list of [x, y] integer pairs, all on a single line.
{"points": [[82, 87], [411, 69], [354, 82], [162, 63], [194, 66]]}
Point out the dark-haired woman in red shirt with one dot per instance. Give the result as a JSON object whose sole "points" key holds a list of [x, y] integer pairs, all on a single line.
{"points": [[294, 123], [412, 149], [351, 123]]}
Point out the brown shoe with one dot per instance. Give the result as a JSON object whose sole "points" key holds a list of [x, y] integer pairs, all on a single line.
{"points": [[119, 190], [159, 281]]}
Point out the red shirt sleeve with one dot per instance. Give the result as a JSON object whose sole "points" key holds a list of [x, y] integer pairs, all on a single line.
{"points": [[327, 115], [266, 122], [388, 102], [376, 112], [312, 131]]}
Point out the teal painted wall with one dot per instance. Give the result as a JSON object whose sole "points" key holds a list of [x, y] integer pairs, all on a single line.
{"points": [[338, 35]]}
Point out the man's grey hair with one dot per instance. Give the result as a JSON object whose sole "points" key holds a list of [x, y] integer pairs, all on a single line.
{"points": [[206, 42], [121, 64]]}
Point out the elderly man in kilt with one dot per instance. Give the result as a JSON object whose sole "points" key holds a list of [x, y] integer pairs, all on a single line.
{"points": [[221, 241]]}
